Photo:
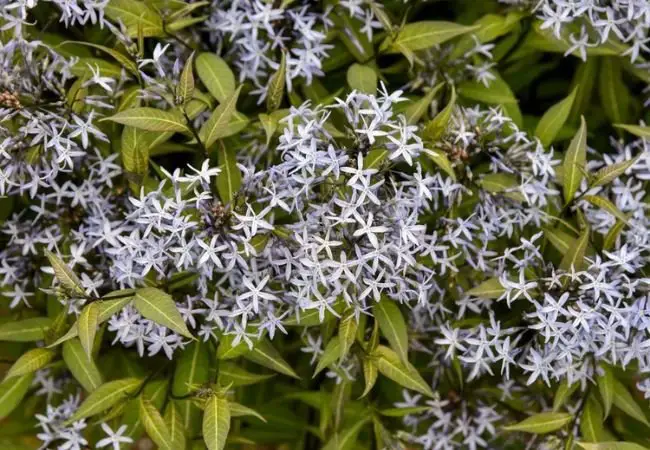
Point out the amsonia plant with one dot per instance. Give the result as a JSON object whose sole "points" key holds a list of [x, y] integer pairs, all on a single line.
{"points": [[336, 224]]}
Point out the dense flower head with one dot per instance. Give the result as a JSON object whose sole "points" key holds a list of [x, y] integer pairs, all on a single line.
{"points": [[379, 223]]}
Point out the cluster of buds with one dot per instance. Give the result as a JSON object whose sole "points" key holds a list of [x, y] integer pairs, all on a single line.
{"points": [[10, 100]]}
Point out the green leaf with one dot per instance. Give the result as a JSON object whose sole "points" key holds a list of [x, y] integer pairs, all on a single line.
{"points": [[81, 366], [174, 422], [270, 124], [503, 183], [135, 152], [228, 351], [266, 355], [216, 127], [613, 93], [392, 325], [233, 375], [192, 368], [603, 203], [440, 159], [434, 130], [347, 333], [490, 288], [637, 130], [26, 330], [362, 78], [574, 162], [391, 366], [65, 275], [562, 394], [185, 87], [155, 425], [12, 392], [105, 396], [311, 317], [238, 410], [123, 59], [346, 439], [330, 355], [421, 35], [417, 109], [591, 421], [612, 235], [228, 181], [624, 401], [369, 375], [610, 172], [160, 307], [135, 15], [216, 76], [151, 119], [575, 257], [498, 93], [216, 422], [31, 361], [611, 446], [554, 119], [401, 412], [275, 90], [87, 326], [541, 423]]}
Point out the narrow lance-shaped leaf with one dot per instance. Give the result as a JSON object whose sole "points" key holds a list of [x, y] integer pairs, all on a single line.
{"points": [[26, 330], [624, 401], [192, 368], [229, 179], [562, 394], [185, 88], [553, 119], [610, 172], [605, 204], [591, 421], [416, 110], [65, 275], [238, 410], [31, 361], [233, 375], [392, 326], [266, 355], [490, 288], [160, 307], [574, 162], [150, 119], [155, 425], [330, 355], [637, 130], [216, 76], [216, 126], [605, 384], [611, 446], [174, 423], [81, 366], [576, 255], [87, 326], [105, 396], [425, 34], [437, 126], [275, 90], [541, 423], [347, 333], [216, 422], [12, 391], [369, 375], [403, 373]]}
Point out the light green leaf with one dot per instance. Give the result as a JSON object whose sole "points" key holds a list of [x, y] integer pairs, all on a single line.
{"points": [[150, 119], [135, 152], [498, 93], [124, 60], [87, 326], [554, 119], [637, 130], [362, 78], [574, 162], [346, 439], [392, 325], [160, 307], [624, 401], [238, 410], [613, 93], [610, 172], [266, 355], [440, 159], [330, 355], [401, 412], [105, 396], [391, 366], [31, 361], [135, 15], [227, 351], [229, 179], [347, 333], [541, 423], [216, 126], [12, 392], [233, 375], [490, 288], [174, 422], [155, 425], [216, 422], [417, 109], [562, 394], [192, 368], [369, 375], [275, 90], [26, 330], [421, 35], [81, 366], [216, 76], [65, 275], [603, 203], [503, 183], [591, 421], [270, 124], [611, 446], [185, 87], [612, 235], [434, 130]]}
